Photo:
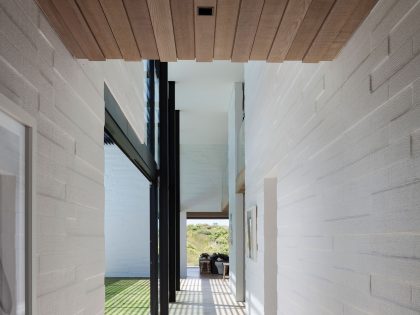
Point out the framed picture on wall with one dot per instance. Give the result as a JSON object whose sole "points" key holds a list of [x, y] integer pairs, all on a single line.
{"points": [[251, 232], [15, 210]]}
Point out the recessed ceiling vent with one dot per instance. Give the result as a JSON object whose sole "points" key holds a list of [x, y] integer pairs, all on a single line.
{"points": [[205, 11]]}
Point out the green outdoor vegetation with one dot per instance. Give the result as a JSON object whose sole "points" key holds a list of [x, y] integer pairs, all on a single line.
{"points": [[127, 296], [204, 238]]}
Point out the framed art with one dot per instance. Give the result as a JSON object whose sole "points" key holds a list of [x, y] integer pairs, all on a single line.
{"points": [[251, 232]]}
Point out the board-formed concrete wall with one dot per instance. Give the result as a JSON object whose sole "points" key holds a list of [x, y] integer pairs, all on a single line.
{"points": [[127, 219], [343, 140], [65, 96]]}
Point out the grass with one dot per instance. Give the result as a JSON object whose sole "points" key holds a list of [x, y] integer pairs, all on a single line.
{"points": [[127, 296], [204, 238]]}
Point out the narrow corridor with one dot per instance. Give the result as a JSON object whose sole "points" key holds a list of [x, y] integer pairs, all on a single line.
{"points": [[205, 295]]}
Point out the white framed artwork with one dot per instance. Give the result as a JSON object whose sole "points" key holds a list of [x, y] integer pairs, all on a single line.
{"points": [[251, 232]]}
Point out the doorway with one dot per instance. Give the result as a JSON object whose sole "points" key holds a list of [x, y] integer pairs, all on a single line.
{"points": [[207, 244]]}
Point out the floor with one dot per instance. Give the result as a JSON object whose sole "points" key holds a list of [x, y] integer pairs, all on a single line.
{"points": [[205, 295]]}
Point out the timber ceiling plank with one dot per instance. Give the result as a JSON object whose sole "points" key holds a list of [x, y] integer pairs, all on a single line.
{"points": [[315, 16], [118, 21], [293, 17], [249, 16], [226, 19], [75, 22], [204, 29], [138, 14], [329, 31], [160, 14], [269, 22], [95, 17], [356, 18], [183, 22], [64, 33]]}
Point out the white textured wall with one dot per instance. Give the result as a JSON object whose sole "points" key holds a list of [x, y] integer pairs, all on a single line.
{"points": [[203, 160], [236, 204], [127, 220], [66, 98], [343, 140]]}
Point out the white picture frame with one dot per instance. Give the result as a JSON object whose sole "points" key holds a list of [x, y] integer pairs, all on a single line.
{"points": [[251, 232]]}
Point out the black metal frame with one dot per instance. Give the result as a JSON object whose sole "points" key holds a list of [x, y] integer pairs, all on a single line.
{"points": [[177, 201], [172, 192], [154, 205], [119, 129], [163, 189]]}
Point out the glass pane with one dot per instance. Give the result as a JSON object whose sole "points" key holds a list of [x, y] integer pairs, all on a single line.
{"points": [[127, 236]]}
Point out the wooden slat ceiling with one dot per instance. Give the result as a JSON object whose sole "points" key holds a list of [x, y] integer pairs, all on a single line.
{"points": [[206, 30]]}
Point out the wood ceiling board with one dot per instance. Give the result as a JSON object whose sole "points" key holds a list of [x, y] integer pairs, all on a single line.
{"points": [[315, 16], [183, 23], [293, 17], [226, 19], [249, 16], [356, 18], [95, 17], [271, 16], [62, 30], [141, 25], [120, 26], [76, 23], [329, 31], [160, 14], [204, 30]]}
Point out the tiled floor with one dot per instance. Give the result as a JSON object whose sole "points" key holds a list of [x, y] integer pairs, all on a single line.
{"points": [[206, 295]]}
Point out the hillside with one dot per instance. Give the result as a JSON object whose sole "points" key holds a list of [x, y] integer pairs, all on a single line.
{"points": [[204, 238]]}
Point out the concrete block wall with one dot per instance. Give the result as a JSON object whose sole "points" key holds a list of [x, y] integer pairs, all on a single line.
{"points": [[342, 139], [127, 219], [65, 97]]}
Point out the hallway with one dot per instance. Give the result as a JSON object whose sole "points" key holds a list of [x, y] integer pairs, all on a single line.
{"points": [[206, 295]]}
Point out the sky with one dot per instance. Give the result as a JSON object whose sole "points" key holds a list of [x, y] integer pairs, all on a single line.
{"points": [[224, 222]]}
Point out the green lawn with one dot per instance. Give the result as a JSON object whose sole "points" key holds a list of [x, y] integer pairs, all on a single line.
{"points": [[127, 296]]}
